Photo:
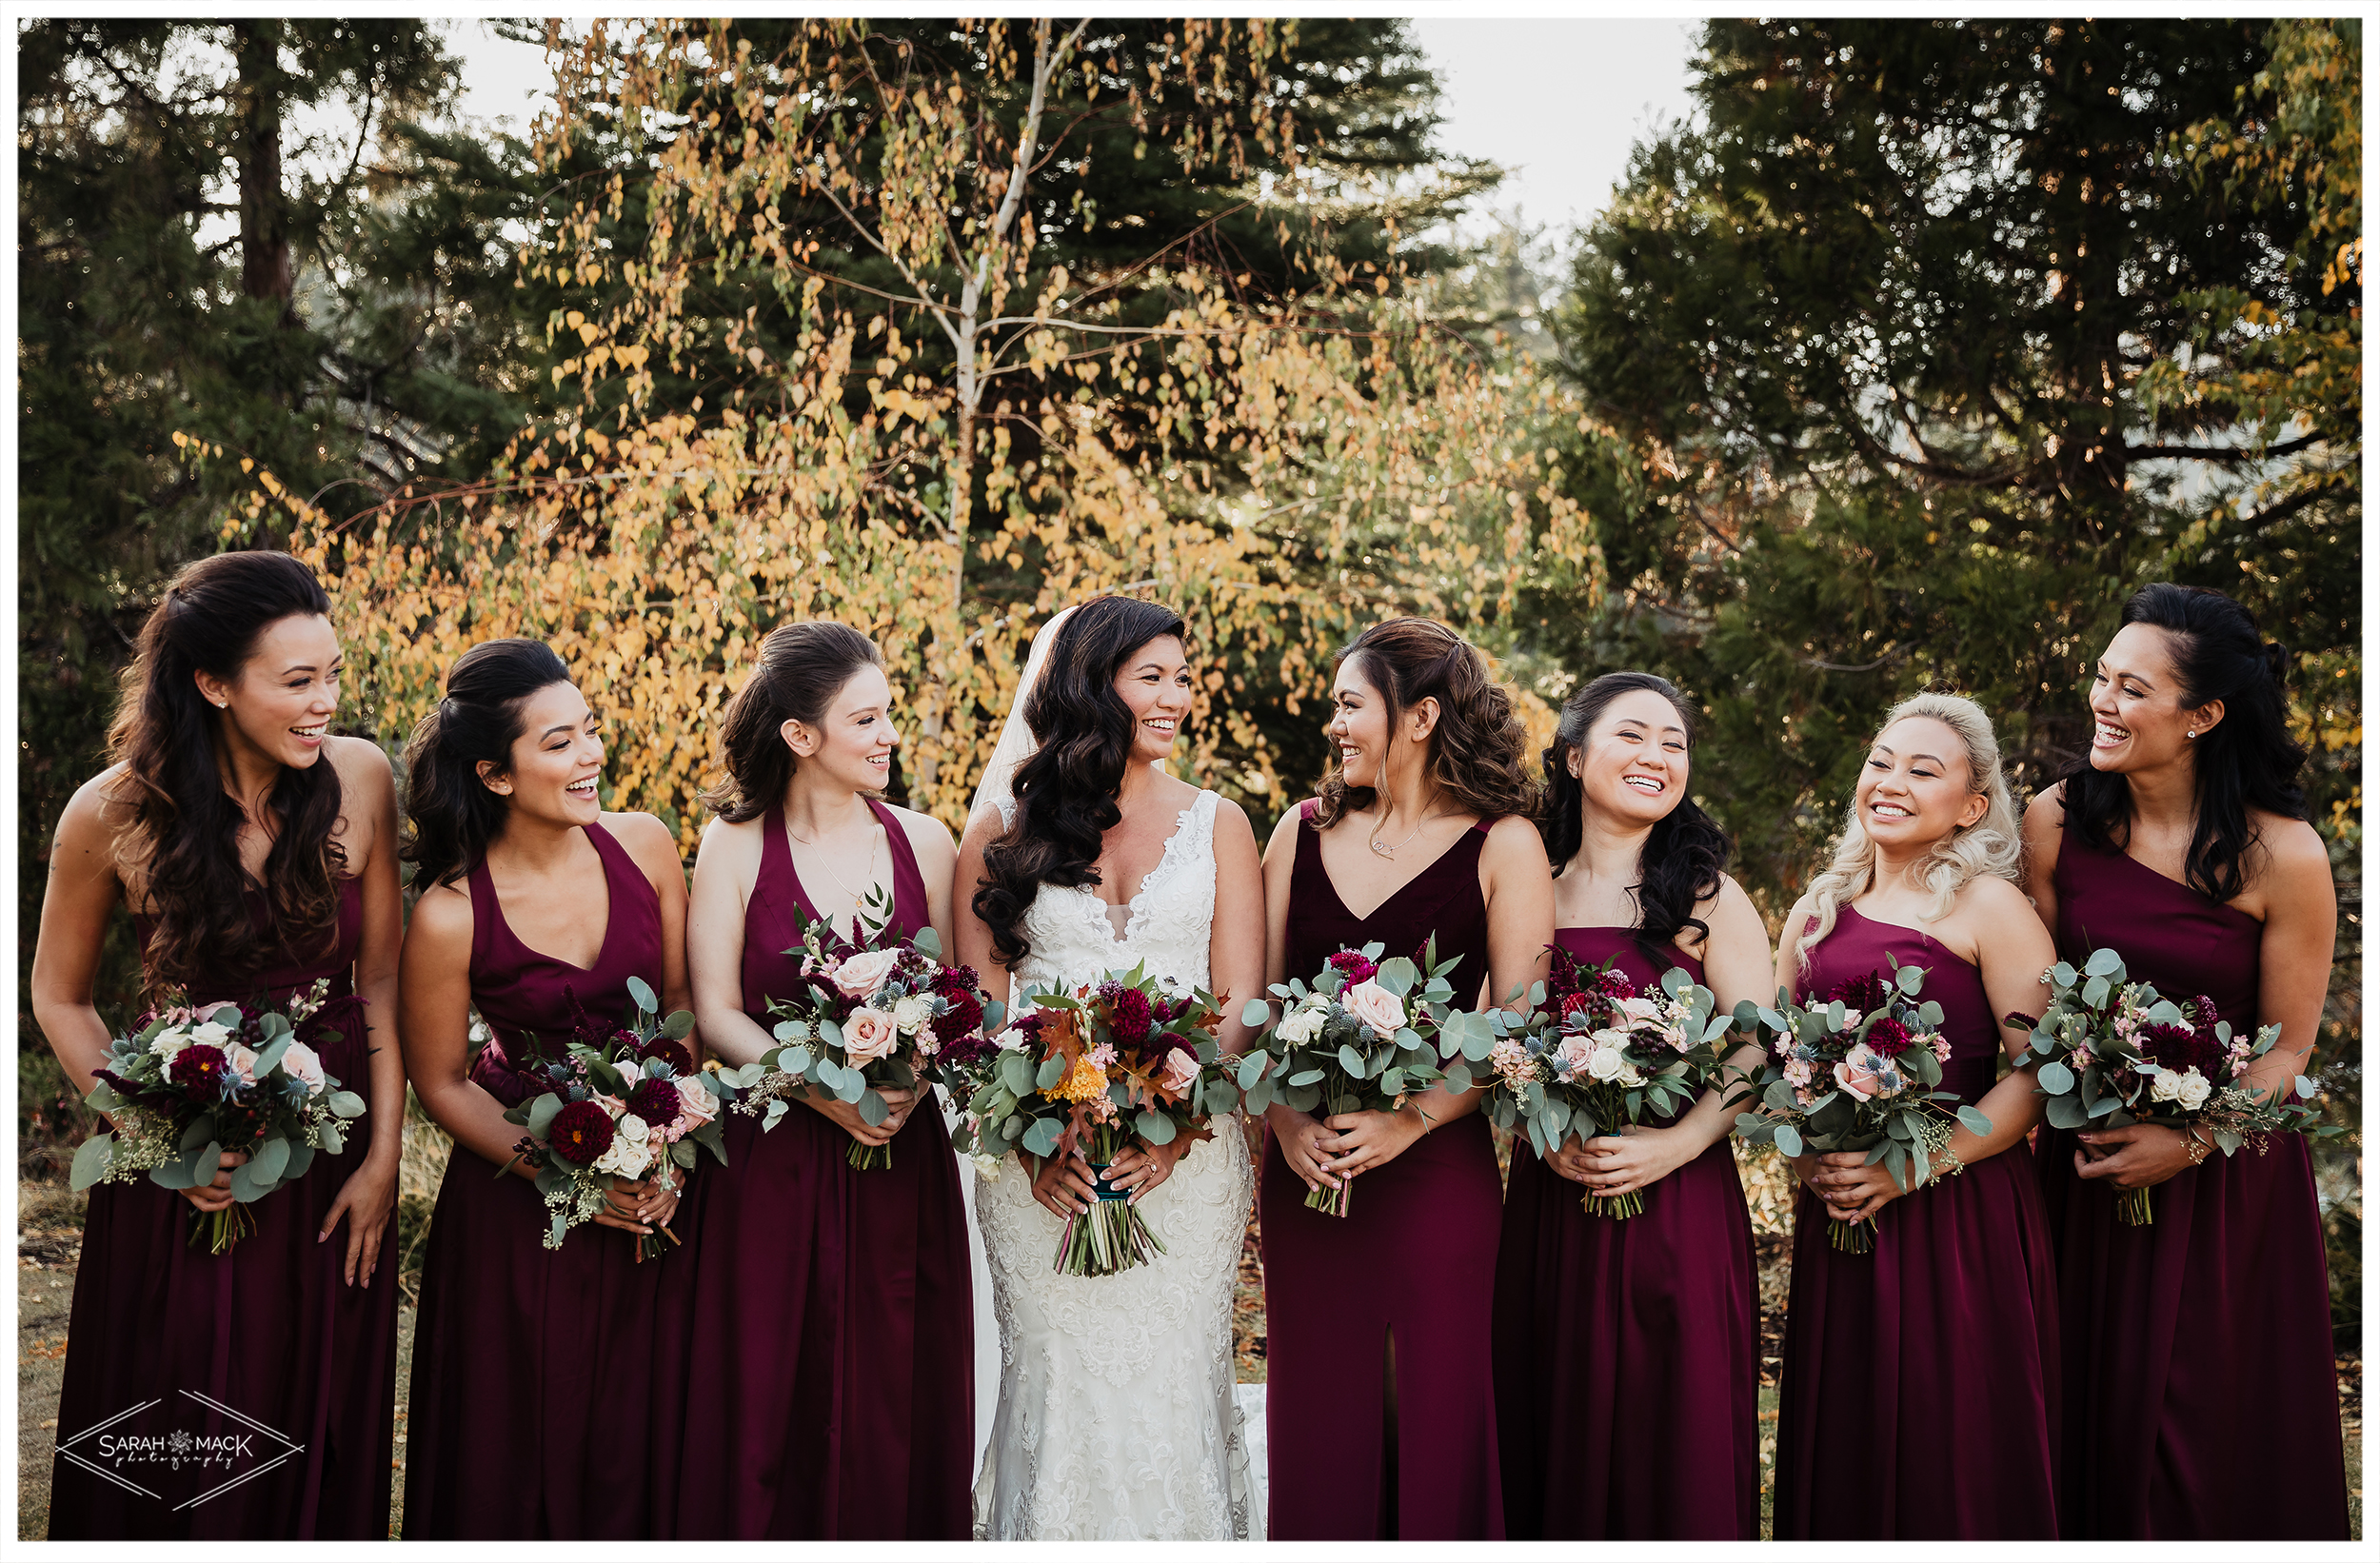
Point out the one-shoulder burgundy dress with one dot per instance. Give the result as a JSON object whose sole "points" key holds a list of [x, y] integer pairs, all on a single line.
{"points": [[270, 1330], [2201, 1402], [1921, 1399], [1412, 1262], [843, 1404], [1627, 1360], [539, 1375]]}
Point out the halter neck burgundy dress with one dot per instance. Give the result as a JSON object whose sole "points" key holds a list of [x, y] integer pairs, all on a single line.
{"points": [[2201, 1401], [845, 1407], [538, 1373], [1413, 1262], [270, 1330], [1627, 1362], [1921, 1399]]}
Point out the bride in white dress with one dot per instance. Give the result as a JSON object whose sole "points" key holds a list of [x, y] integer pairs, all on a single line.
{"points": [[1116, 1417]]}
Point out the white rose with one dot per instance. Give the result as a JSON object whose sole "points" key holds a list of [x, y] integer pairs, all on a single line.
{"points": [[2164, 1086], [302, 1063], [2195, 1089], [631, 1150], [209, 1033], [1629, 1076], [1606, 1063], [912, 1015], [167, 1044], [987, 1167], [1011, 1040], [1297, 1027]]}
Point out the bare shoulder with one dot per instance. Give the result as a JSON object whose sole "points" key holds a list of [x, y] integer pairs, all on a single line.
{"points": [[649, 842], [1730, 910], [1513, 843], [1285, 829], [2045, 817], [442, 915], [99, 804], [2293, 850], [730, 840], [1231, 818], [928, 837], [983, 827], [363, 766], [1988, 898]]}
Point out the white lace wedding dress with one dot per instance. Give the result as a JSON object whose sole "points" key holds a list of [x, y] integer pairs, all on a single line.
{"points": [[1116, 1418]]}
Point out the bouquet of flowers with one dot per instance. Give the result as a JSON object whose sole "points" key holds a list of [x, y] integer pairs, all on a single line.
{"points": [[1598, 1055], [1095, 1067], [621, 1104], [1859, 1073], [874, 1014], [1364, 1035], [190, 1085], [2121, 1053]]}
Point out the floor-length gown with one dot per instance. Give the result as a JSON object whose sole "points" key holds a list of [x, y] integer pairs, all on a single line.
{"points": [[539, 1374], [1406, 1276], [844, 1408], [2201, 1402], [270, 1330], [1116, 1417], [1627, 1357], [1921, 1399]]}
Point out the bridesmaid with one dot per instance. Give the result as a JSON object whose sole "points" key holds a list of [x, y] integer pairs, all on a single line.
{"points": [[2182, 843], [1381, 1413], [845, 1409], [539, 1375], [1627, 1361], [258, 854], [1921, 1394]]}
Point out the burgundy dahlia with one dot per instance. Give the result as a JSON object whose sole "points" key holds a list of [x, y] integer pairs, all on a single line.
{"points": [[668, 1051], [2183, 1048], [962, 1016], [1355, 966], [199, 1069], [1889, 1037], [1128, 1016], [580, 1132], [655, 1101], [1861, 993], [1582, 1003]]}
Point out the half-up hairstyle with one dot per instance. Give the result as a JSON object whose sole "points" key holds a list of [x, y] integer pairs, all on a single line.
{"points": [[1687, 853], [2247, 759], [1065, 790], [454, 814], [178, 823], [1993, 845], [1479, 751], [802, 668]]}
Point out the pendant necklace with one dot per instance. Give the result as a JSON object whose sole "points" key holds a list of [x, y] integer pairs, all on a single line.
{"points": [[856, 899], [1385, 850]]}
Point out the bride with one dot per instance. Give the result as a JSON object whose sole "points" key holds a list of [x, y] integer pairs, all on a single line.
{"points": [[1116, 1417]]}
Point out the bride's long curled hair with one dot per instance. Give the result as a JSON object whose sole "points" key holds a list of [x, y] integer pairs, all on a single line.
{"points": [[1065, 790]]}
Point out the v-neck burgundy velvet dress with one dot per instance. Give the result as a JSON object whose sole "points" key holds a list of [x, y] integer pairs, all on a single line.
{"points": [[841, 1404], [2201, 1401], [538, 1374], [270, 1330], [1627, 1359], [1921, 1399], [1414, 1260]]}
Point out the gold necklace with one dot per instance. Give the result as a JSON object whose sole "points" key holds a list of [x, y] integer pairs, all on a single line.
{"points": [[1389, 852], [857, 899]]}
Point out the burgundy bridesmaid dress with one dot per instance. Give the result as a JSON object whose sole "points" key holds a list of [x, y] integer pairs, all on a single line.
{"points": [[1627, 1359], [539, 1375], [2201, 1403], [842, 1406], [1922, 1381], [1408, 1273], [270, 1330]]}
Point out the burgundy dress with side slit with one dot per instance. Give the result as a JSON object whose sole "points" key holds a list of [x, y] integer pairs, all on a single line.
{"points": [[1627, 1360], [841, 1403], [1407, 1274], [270, 1330], [1921, 1399], [2201, 1399], [539, 1375]]}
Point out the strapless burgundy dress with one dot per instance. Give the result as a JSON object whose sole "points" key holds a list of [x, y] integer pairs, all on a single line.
{"points": [[1921, 1399], [1627, 1357], [270, 1330], [540, 1375], [843, 1406], [2201, 1402], [1413, 1263]]}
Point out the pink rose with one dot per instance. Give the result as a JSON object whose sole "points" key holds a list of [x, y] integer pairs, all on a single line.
{"points": [[1640, 1009], [1858, 1073], [243, 1060], [1375, 1007], [302, 1063], [695, 1105], [1180, 1071], [862, 973], [868, 1035]]}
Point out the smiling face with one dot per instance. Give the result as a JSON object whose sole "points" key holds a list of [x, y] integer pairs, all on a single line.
{"points": [[279, 704], [853, 743], [1915, 788], [1360, 729], [2138, 717], [1631, 765], [1154, 683], [556, 757]]}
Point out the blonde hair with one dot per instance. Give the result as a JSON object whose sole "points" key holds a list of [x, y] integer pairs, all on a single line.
{"points": [[1993, 845]]}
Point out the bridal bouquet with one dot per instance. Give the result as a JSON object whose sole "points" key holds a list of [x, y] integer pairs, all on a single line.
{"points": [[2121, 1053], [193, 1084], [1364, 1035], [1859, 1072], [621, 1104], [1598, 1055], [874, 1012], [1094, 1067]]}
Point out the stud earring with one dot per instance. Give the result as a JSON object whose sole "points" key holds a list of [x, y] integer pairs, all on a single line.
{"points": [[2193, 733]]}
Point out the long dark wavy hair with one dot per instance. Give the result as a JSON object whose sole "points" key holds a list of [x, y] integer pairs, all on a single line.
{"points": [[180, 824], [2247, 759], [454, 814], [1687, 852], [802, 668], [1067, 788], [1478, 750]]}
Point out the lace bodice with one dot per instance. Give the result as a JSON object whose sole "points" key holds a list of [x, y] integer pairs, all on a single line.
{"points": [[1172, 916]]}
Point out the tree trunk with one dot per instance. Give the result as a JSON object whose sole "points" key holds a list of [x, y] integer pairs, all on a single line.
{"points": [[263, 208]]}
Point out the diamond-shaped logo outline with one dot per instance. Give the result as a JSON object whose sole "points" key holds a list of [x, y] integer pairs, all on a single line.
{"points": [[290, 1448]]}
